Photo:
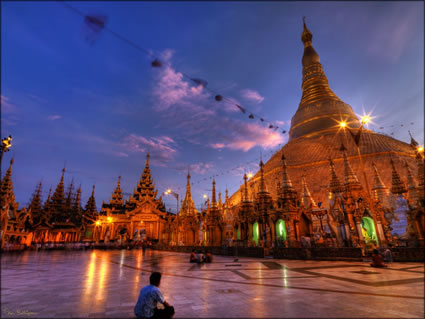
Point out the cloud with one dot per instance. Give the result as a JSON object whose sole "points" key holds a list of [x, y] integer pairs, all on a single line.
{"points": [[54, 117], [193, 112], [251, 135], [390, 40], [9, 111], [252, 95], [7, 106], [161, 149]]}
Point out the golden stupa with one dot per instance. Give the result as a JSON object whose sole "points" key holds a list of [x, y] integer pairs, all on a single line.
{"points": [[315, 136]]}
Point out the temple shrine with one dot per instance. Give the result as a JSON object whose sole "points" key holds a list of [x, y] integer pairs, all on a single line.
{"points": [[334, 184]]}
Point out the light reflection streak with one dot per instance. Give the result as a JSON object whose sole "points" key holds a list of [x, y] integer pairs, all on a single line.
{"points": [[285, 275], [88, 283], [103, 273]]}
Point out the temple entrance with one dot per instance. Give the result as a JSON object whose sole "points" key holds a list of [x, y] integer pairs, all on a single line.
{"points": [[368, 230], [281, 230], [304, 227], [238, 233], [255, 233]]}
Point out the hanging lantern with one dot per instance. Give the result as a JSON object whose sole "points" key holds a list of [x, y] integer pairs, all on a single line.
{"points": [[251, 116], [261, 119], [283, 132], [381, 128], [156, 63], [218, 98], [94, 24], [271, 126], [241, 108]]}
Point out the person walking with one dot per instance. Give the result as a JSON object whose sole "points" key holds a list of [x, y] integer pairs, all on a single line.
{"points": [[150, 296], [387, 255]]}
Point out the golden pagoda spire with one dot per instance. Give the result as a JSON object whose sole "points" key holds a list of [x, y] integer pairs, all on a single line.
{"points": [[350, 179], [90, 208], [286, 181], [262, 183], [220, 203], [319, 104], [147, 159], [117, 196], [245, 178], [213, 198], [412, 192], [306, 197], [77, 203], [397, 186], [379, 189], [334, 185], [188, 205], [6, 189]]}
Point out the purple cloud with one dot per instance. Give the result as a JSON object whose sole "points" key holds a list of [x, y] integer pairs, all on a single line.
{"points": [[162, 149], [195, 114], [252, 95], [54, 117]]}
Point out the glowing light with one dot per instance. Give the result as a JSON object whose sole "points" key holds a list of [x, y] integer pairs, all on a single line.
{"points": [[343, 124], [109, 219], [250, 175], [205, 196], [365, 119], [420, 149], [97, 222]]}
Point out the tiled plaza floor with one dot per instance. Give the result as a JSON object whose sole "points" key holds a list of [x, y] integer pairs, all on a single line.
{"points": [[107, 283]]}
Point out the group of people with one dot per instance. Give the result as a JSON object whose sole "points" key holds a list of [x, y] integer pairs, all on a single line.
{"points": [[198, 257]]}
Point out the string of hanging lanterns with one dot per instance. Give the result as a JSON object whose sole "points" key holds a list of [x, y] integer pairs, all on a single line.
{"points": [[96, 23]]}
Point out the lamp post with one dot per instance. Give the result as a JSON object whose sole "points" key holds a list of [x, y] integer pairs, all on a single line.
{"points": [[6, 144], [176, 196]]}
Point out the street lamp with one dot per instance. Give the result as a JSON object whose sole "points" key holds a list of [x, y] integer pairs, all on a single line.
{"points": [[176, 196], [250, 175], [6, 144]]}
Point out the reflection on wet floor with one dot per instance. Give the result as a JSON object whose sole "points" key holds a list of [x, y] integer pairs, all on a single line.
{"points": [[107, 283]]}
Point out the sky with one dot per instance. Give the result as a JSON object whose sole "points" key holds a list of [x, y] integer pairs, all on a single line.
{"points": [[94, 104]]}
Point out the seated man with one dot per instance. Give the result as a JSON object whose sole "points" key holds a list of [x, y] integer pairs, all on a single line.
{"points": [[198, 257], [209, 257], [377, 259], [192, 256], [148, 299]]}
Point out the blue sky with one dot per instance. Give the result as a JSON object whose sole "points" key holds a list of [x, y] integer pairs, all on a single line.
{"points": [[100, 106]]}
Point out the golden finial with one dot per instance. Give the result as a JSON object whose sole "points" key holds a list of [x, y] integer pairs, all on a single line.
{"points": [[306, 36]]}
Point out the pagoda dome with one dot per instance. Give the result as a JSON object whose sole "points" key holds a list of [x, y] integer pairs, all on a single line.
{"points": [[315, 136]]}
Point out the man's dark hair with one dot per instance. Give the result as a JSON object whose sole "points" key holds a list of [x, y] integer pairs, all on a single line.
{"points": [[155, 278]]}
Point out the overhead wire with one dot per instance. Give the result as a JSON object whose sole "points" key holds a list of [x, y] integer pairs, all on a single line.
{"points": [[158, 63]]}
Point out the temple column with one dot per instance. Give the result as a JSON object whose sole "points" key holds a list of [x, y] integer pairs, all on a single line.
{"points": [[380, 231], [131, 230], [249, 233], [297, 230]]}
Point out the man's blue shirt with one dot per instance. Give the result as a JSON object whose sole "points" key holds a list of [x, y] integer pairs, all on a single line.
{"points": [[147, 302]]}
